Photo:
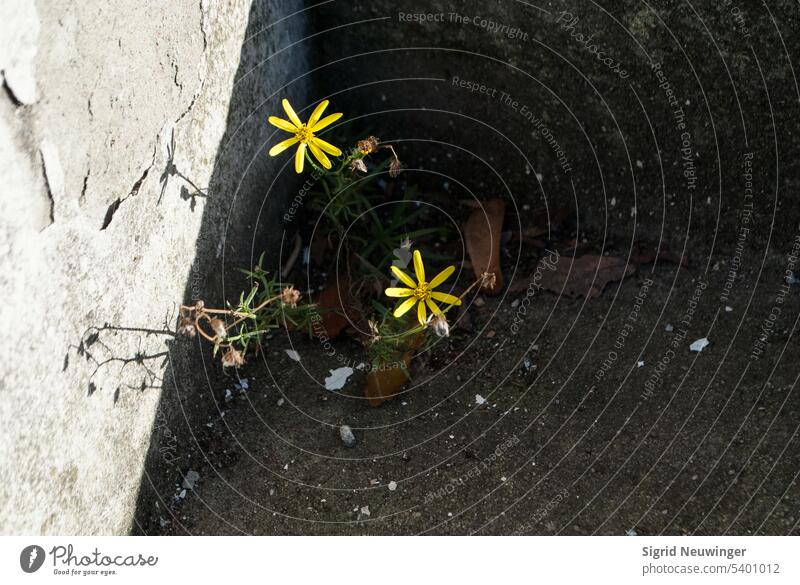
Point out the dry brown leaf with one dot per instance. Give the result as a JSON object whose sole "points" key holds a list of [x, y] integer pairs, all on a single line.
{"points": [[332, 305], [483, 230], [386, 381], [585, 276], [645, 255]]}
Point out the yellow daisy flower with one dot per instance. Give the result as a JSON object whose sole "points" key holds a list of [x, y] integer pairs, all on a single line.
{"points": [[421, 291], [304, 134]]}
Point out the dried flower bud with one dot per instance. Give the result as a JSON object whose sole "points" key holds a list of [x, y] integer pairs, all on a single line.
{"points": [[368, 145], [199, 306], [186, 327], [232, 358], [488, 280], [358, 166], [395, 167], [374, 332], [290, 296], [218, 326], [440, 326]]}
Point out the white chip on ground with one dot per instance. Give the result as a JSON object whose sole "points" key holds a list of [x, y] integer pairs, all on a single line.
{"points": [[699, 345], [293, 355], [640, 364], [479, 400], [365, 510], [338, 378], [392, 486], [190, 479]]}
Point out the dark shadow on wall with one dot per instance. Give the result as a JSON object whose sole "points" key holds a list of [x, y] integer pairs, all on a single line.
{"points": [[240, 220]]}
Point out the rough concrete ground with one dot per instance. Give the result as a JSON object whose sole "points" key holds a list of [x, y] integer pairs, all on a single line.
{"points": [[713, 450]]}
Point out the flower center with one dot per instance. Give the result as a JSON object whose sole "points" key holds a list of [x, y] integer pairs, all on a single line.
{"points": [[422, 292], [304, 134]]}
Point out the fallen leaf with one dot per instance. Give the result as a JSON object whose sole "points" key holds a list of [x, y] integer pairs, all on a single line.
{"points": [[332, 305], [642, 254], [386, 380], [585, 276], [483, 230]]}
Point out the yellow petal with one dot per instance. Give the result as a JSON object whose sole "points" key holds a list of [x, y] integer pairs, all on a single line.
{"points": [[445, 298], [441, 277], [434, 309], [422, 315], [327, 147], [404, 307], [418, 267], [325, 122], [319, 155], [317, 113], [299, 158], [283, 124], [399, 292], [403, 277], [281, 146], [287, 107]]}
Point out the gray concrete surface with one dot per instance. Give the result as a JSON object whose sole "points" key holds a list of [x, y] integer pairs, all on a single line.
{"points": [[112, 113]]}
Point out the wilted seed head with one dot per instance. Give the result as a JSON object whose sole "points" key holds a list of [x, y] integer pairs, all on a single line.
{"points": [[218, 327], [232, 358], [395, 167], [440, 326], [374, 332], [290, 296], [358, 166], [186, 327], [488, 280], [368, 145]]}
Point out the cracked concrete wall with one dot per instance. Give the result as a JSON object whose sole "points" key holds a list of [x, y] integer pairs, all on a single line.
{"points": [[112, 115]]}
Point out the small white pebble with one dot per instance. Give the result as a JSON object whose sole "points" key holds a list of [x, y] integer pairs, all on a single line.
{"points": [[392, 486]]}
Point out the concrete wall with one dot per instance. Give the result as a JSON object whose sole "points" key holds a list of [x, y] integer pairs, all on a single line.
{"points": [[112, 114], [397, 68]]}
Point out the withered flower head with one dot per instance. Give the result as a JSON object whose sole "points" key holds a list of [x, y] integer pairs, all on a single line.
{"points": [[186, 327], [395, 167], [374, 332], [440, 326], [199, 306], [488, 280], [218, 326], [358, 166], [290, 296], [232, 358], [368, 145]]}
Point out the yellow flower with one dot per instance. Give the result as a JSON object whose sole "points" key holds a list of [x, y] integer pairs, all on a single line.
{"points": [[421, 291], [304, 134]]}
